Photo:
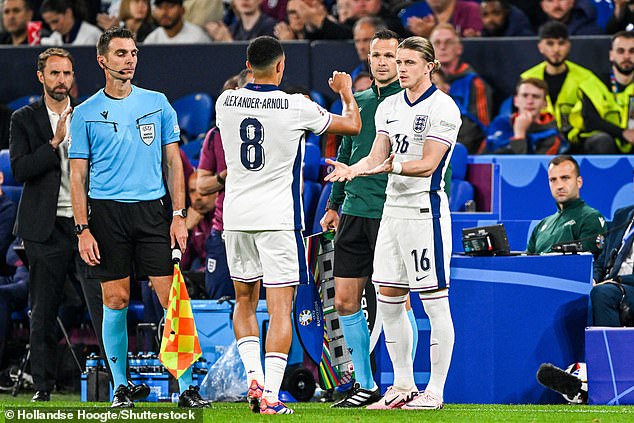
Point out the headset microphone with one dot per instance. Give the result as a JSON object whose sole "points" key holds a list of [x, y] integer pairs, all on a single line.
{"points": [[120, 72]]}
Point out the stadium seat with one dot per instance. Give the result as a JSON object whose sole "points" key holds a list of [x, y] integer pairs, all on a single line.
{"points": [[13, 193], [312, 162], [461, 189], [192, 149], [604, 11], [506, 107], [23, 101], [319, 98], [336, 107], [195, 112], [321, 206], [5, 168]]}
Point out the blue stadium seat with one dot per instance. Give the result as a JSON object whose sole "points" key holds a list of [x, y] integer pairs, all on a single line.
{"points": [[319, 98], [506, 107], [195, 112], [336, 107], [604, 11], [135, 311], [13, 193], [5, 168], [321, 206], [192, 149], [461, 189], [23, 101], [312, 162]]}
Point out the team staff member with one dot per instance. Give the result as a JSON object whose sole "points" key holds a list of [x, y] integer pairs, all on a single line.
{"points": [[362, 201], [118, 138], [262, 130], [39, 160], [574, 219], [413, 247]]}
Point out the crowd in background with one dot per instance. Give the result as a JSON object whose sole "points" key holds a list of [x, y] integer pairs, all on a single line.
{"points": [[558, 106]]}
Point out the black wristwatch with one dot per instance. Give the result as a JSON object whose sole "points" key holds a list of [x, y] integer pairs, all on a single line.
{"points": [[79, 228], [182, 213], [331, 206]]}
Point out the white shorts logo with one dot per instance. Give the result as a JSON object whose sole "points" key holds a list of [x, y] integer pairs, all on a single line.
{"points": [[147, 133], [211, 265]]}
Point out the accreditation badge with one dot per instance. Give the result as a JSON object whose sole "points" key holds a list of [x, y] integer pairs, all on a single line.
{"points": [[630, 114], [147, 133]]}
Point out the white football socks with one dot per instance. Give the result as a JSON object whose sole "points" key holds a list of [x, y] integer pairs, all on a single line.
{"points": [[441, 339], [274, 367], [398, 339], [249, 350]]}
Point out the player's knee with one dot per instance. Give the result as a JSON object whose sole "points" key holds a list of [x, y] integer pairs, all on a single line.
{"points": [[346, 306], [116, 300]]}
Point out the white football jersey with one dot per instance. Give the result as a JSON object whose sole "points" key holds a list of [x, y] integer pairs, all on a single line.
{"points": [[262, 130], [434, 117]]}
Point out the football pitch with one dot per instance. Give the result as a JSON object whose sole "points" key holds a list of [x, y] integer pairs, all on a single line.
{"points": [[322, 413]]}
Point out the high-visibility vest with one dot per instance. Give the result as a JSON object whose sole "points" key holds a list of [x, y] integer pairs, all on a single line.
{"points": [[611, 107], [568, 95]]}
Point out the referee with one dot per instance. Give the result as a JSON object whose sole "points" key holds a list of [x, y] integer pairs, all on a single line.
{"points": [[119, 136]]}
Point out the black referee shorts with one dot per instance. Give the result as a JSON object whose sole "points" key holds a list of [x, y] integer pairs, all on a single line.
{"points": [[131, 234], [354, 246]]}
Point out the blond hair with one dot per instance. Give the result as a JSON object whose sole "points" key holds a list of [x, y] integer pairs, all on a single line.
{"points": [[424, 47]]}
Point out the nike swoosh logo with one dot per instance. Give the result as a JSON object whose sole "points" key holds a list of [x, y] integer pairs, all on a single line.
{"points": [[421, 278], [391, 401], [391, 121]]}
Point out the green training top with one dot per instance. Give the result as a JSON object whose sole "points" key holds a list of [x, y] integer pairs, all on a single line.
{"points": [[363, 196], [574, 221]]}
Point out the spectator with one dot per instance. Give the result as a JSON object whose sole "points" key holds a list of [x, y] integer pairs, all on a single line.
{"points": [[363, 31], [5, 120], [321, 26], [201, 12], [531, 9], [574, 219], [612, 268], [293, 29], [173, 28], [562, 76], [472, 95], [275, 9], [14, 291], [250, 23], [16, 14], [375, 8], [361, 82], [602, 118], [135, 15], [39, 160], [529, 131], [199, 222], [462, 15], [622, 18], [68, 26], [501, 19], [579, 16]]}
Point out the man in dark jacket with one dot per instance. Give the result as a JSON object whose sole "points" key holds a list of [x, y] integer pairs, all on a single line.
{"points": [[579, 16], [613, 267], [501, 19]]}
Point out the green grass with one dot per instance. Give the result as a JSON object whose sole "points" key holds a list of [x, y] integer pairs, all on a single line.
{"points": [[320, 413]]}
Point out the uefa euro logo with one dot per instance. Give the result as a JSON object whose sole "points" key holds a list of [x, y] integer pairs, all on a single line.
{"points": [[420, 122]]}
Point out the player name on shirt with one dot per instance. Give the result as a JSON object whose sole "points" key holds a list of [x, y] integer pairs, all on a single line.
{"points": [[255, 103]]}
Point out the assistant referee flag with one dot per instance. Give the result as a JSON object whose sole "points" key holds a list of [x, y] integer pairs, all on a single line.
{"points": [[180, 347]]}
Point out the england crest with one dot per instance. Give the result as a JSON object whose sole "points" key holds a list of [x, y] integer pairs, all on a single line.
{"points": [[147, 133], [420, 123]]}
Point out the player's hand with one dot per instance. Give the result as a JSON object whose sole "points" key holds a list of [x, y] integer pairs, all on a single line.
{"points": [[60, 128], [340, 82], [88, 248], [471, 32], [386, 167], [178, 233], [341, 172], [330, 220], [105, 21]]}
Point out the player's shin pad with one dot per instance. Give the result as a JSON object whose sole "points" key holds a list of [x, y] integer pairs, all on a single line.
{"points": [[558, 380]]}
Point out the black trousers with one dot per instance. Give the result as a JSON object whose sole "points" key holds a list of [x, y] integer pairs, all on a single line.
{"points": [[50, 263]]}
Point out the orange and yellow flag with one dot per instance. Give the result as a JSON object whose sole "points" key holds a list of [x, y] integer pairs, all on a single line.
{"points": [[180, 347]]}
